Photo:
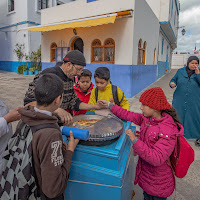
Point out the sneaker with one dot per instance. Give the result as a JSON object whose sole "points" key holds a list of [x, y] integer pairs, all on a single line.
{"points": [[197, 142]]}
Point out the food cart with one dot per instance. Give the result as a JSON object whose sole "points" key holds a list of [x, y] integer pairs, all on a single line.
{"points": [[103, 172]]}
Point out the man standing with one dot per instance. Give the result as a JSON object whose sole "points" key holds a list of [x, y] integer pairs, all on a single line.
{"points": [[73, 64]]}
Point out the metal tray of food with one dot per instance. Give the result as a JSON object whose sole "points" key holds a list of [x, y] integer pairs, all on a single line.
{"points": [[102, 132]]}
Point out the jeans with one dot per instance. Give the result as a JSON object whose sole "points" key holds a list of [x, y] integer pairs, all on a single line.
{"points": [[149, 197]]}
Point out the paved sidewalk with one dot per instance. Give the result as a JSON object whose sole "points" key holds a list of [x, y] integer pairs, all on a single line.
{"points": [[14, 86]]}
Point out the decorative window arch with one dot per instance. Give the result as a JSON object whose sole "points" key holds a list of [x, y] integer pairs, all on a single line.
{"points": [[144, 53], [53, 52], [97, 51], [154, 57], [140, 52], [109, 50], [103, 53]]}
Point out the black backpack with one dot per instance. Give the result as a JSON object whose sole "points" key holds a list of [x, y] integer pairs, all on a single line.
{"points": [[18, 179], [115, 95]]}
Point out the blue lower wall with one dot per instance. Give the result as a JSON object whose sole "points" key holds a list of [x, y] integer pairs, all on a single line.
{"points": [[10, 66], [130, 78], [162, 67]]}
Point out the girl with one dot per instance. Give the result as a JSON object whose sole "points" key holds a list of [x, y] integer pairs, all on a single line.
{"points": [[186, 98], [158, 133]]}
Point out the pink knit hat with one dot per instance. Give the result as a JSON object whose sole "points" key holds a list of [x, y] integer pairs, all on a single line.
{"points": [[155, 98]]}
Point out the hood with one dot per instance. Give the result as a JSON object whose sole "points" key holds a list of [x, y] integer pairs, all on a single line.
{"points": [[166, 123], [32, 118], [77, 88]]}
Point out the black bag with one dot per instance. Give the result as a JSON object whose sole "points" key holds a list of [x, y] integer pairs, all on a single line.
{"points": [[115, 95], [18, 179]]}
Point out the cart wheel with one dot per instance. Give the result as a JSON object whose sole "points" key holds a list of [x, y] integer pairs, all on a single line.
{"points": [[133, 194]]}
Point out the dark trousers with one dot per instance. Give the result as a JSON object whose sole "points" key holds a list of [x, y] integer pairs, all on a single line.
{"points": [[149, 197]]}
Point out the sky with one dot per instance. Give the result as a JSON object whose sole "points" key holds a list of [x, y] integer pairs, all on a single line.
{"points": [[189, 17]]}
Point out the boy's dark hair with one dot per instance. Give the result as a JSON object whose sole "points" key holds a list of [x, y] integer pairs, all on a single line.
{"points": [[102, 73], [85, 72], [48, 87]]}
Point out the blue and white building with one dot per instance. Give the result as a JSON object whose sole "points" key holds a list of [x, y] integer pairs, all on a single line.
{"points": [[133, 38], [15, 15]]}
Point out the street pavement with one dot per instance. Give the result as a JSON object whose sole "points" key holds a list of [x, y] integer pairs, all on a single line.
{"points": [[12, 90]]}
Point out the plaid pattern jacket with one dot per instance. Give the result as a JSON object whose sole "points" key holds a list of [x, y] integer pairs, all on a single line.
{"points": [[70, 99]]}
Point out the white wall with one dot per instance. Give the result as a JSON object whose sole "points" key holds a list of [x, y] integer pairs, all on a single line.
{"points": [[25, 10], [146, 27], [81, 9], [121, 31], [162, 57], [155, 6]]}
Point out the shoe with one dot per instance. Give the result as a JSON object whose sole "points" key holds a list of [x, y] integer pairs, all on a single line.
{"points": [[197, 142]]}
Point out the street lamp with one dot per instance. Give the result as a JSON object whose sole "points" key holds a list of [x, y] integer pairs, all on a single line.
{"points": [[183, 31]]}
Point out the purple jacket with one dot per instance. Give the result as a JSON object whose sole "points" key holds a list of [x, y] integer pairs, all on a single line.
{"points": [[154, 147]]}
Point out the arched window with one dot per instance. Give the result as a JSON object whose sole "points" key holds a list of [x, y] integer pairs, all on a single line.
{"points": [[154, 57], [53, 52], [144, 53], [97, 51], [105, 53], [109, 50], [140, 52]]}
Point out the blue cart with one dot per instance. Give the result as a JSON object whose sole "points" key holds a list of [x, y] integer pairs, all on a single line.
{"points": [[102, 172]]}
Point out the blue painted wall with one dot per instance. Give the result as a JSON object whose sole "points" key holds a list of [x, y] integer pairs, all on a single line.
{"points": [[130, 78], [162, 67], [10, 66], [90, 1]]}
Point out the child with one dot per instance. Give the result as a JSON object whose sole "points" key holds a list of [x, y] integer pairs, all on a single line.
{"points": [[83, 89], [51, 156], [158, 136], [104, 89]]}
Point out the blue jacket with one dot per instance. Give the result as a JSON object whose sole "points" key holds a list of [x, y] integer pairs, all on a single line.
{"points": [[186, 100]]}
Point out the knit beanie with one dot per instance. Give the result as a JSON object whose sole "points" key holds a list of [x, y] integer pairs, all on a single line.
{"points": [[155, 98], [75, 57]]}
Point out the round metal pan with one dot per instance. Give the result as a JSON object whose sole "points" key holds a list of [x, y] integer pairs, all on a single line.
{"points": [[103, 132]]}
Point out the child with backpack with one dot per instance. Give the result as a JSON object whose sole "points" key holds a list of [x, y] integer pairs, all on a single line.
{"points": [[83, 89], [49, 170], [106, 91], [159, 129]]}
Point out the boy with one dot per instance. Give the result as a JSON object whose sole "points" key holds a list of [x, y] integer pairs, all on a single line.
{"points": [[51, 156], [83, 89], [104, 89]]}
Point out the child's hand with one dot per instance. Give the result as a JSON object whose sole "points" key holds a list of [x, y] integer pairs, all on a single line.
{"points": [[111, 100], [72, 142], [130, 134], [13, 115], [103, 103]]}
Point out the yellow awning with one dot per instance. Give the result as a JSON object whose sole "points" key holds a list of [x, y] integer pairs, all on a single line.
{"points": [[106, 19]]}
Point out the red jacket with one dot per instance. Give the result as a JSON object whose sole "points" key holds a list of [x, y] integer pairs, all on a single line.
{"points": [[83, 97]]}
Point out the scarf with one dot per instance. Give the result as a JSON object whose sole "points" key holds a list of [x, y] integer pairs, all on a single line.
{"points": [[189, 71]]}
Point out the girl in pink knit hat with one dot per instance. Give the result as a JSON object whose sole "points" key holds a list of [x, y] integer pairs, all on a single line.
{"points": [[159, 128]]}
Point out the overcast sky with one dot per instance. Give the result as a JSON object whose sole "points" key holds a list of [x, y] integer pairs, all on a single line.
{"points": [[189, 17]]}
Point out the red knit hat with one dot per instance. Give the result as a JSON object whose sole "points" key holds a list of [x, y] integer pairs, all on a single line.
{"points": [[155, 98]]}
